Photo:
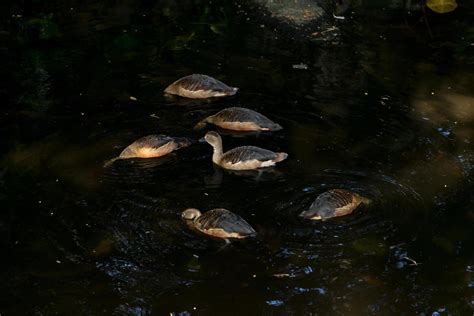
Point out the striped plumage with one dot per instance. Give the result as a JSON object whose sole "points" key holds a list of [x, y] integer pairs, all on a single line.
{"points": [[246, 153], [240, 119], [242, 158], [198, 86], [219, 223], [333, 203]]}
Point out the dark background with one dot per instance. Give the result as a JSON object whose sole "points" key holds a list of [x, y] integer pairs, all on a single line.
{"points": [[385, 108]]}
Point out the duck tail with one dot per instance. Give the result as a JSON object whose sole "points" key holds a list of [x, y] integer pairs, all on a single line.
{"points": [[232, 91], [365, 200], [201, 124], [182, 142], [276, 127], [281, 157], [108, 163]]}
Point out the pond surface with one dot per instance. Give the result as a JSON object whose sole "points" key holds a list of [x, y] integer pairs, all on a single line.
{"points": [[380, 103]]}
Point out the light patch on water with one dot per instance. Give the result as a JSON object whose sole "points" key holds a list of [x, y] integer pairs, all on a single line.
{"points": [[275, 302], [299, 12], [319, 290]]}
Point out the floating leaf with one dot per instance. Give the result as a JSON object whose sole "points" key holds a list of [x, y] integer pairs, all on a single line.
{"points": [[216, 28], [442, 6]]}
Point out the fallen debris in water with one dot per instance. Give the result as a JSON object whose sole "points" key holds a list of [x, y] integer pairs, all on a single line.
{"points": [[300, 66]]}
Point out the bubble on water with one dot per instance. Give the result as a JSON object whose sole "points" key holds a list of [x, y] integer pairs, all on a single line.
{"points": [[308, 189], [444, 132], [307, 270], [275, 302]]}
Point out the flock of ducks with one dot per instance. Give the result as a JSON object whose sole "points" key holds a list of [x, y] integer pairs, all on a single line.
{"points": [[221, 223]]}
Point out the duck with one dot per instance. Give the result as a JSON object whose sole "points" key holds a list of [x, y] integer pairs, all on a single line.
{"points": [[151, 146], [219, 223], [242, 158], [240, 119], [334, 203], [199, 86]]}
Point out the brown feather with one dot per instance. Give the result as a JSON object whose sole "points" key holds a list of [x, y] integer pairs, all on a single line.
{"points": [[332, 203], [151, 146], [224, 224], [198, 86], [242, 119]]}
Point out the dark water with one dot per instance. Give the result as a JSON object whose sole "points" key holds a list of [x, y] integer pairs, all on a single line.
{"points": [[385, 108]]}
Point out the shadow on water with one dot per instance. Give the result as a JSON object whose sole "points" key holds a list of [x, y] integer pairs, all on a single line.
{"points": [[374, 106]]}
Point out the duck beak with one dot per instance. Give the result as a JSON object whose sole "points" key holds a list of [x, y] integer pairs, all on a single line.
{"points": [[202, 140], [305, 215]]}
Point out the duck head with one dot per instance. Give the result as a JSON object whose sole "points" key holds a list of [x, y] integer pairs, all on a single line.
{"points": [[213, 138], [190, 214], [317, 214]]}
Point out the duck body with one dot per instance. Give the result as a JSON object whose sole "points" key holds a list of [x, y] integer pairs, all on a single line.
{"points": [[334, 203], [248, 158], [242, 158], [240, 119], [152, 146], [198, 86], [219, 223]]}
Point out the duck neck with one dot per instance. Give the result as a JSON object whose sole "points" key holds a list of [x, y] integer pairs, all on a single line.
{"points": [[217, 155], [190, 223]]}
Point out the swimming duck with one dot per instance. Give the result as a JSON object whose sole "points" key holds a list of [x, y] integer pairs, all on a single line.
{"points": [[151, 146], [240, 119], [197, 86], [333, 203], [219, 223], [242, 158]]}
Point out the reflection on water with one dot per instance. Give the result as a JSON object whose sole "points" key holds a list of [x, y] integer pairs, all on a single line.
{"points": [[377, 110]]}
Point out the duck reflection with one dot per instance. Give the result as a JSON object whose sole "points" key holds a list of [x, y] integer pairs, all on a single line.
{"points": [[266, 174]]}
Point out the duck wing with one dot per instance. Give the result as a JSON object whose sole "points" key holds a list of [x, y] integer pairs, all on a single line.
{"points": [[237, 114], [147, 146], [152, 141], [333, 199], [246, 153], [243, 115], [198, 82], [225, 220]]}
